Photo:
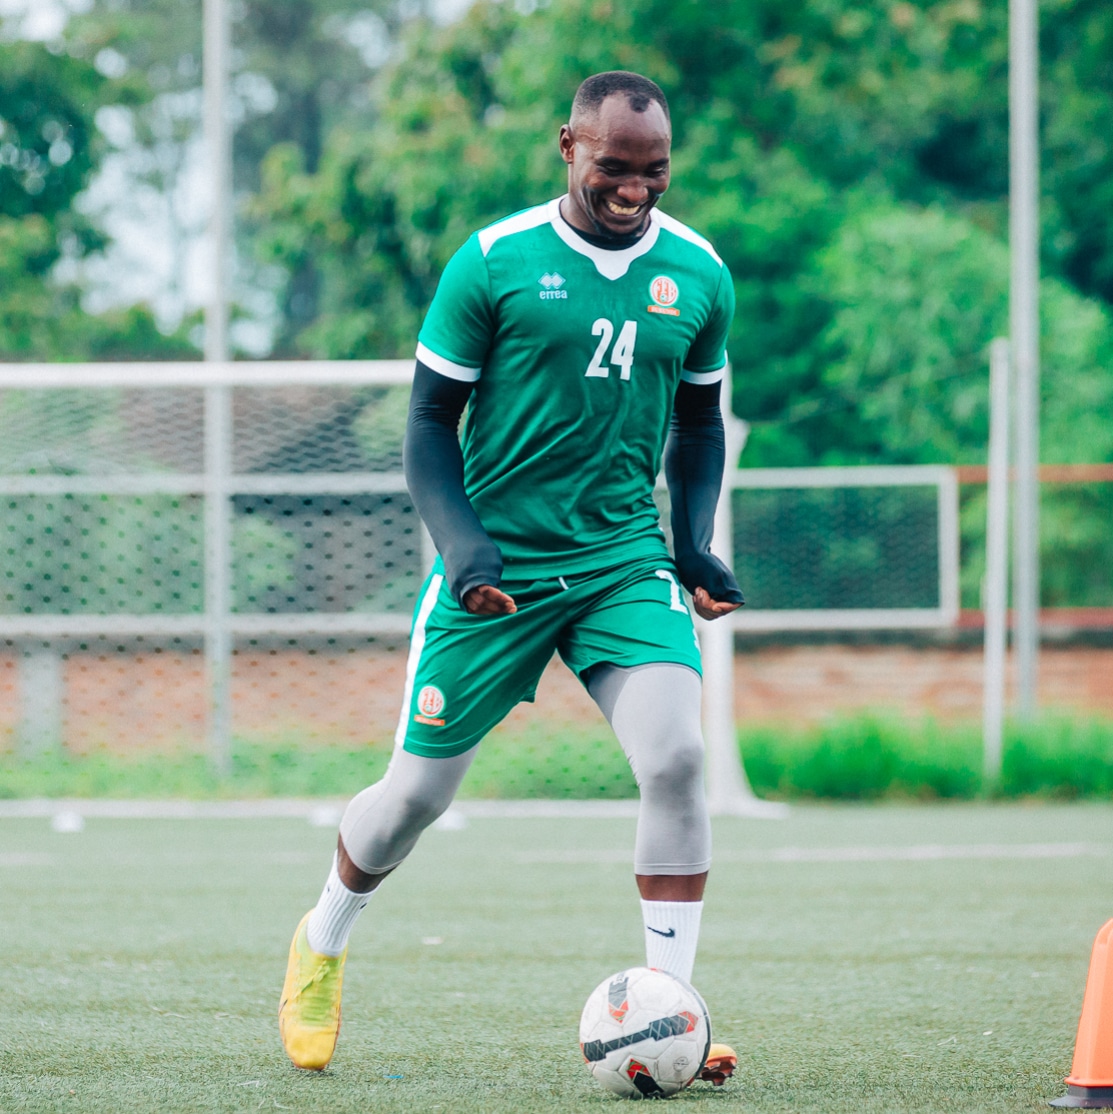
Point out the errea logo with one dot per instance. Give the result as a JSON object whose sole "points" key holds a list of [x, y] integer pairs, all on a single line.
{"points": [[552, 284]]}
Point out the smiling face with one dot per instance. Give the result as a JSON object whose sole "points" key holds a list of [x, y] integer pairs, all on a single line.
{"points": [[618, 166]]}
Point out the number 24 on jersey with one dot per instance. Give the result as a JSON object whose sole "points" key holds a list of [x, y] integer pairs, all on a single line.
{"points": [[622, 354]]}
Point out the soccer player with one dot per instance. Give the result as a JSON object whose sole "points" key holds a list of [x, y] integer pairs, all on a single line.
{"points": [[586, 338]]}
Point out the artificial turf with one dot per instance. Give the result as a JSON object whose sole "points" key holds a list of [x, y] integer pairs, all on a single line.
{"points": [[142, 961]]}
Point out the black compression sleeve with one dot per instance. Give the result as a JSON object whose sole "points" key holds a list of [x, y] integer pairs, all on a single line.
{"points": [[434, 467], [694, 458]]}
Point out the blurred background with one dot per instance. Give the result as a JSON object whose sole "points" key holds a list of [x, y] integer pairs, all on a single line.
{"points": [[850, 164]]}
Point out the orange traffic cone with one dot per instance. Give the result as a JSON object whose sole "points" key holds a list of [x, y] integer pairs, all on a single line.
{"points": [[1090, 1083]]}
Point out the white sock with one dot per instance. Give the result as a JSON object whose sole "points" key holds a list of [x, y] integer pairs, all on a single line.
{"points": [[330, 924], [671, 935]]}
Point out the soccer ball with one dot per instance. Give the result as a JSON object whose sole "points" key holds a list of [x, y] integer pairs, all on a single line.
{"points": [[645, 1033]]}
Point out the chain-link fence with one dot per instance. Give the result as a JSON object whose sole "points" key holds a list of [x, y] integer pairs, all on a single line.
{"points": [[107, 609], [111, 635], [847, 548]]}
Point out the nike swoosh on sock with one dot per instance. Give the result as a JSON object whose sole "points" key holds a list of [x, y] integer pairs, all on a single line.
{"points": [[660, 932]]}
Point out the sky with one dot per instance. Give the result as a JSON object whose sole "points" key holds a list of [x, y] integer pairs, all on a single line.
{"points": [[41, 19]]}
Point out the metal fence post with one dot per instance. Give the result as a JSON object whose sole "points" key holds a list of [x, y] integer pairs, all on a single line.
{"points": [[1024, 329], [995, 585], [949, 542], [218, 574], [728, 790], [218, 398], [42, 694]]}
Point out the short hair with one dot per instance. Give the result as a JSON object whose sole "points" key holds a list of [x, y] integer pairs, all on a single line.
{"points": [[640, 92]]}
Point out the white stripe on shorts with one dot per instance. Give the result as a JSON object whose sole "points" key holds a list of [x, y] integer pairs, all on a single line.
{"points": [[417, 644]]}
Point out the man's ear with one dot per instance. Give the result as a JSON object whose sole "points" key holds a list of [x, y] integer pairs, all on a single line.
{"points": [[567, 142]]}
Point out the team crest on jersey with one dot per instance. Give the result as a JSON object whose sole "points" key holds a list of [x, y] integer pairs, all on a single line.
{"points": [[430, 705], [553, 284], [664, 292]]}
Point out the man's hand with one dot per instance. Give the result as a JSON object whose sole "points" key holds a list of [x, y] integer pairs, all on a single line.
{"points": [[486, 600], [707, 608]]}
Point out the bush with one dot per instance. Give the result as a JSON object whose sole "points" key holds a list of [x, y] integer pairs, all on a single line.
{"points": [[866, 758], [1059, 758]]}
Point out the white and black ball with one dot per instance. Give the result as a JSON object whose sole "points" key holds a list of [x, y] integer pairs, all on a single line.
{"points": [[645, 1033]]}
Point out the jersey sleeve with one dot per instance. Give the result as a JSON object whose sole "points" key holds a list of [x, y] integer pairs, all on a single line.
{"points": [[708, 354], [457, 330]]}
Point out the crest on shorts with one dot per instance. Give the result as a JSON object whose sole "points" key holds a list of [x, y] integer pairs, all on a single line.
{"points": [[430, 704], [430, 701], [664, 292]]}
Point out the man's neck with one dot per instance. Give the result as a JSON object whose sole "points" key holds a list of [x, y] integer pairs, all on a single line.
{"points": [[608, 243]]}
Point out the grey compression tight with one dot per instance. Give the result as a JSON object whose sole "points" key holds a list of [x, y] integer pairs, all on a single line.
{"points": [[655, 713]]}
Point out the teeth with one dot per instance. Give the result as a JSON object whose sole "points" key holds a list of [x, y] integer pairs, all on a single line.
{"points": [[623, 210]]}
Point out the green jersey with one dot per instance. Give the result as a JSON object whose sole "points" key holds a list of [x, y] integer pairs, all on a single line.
{"points": [[576, 352]]}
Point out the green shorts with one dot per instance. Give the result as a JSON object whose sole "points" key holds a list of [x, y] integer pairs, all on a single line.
{"points": [[465, 672]]}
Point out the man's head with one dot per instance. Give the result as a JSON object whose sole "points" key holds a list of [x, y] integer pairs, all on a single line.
{"points": [[616, 144]]}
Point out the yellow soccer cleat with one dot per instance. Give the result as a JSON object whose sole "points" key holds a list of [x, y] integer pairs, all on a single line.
{"points": [[309, 1013], [720, 1064]]}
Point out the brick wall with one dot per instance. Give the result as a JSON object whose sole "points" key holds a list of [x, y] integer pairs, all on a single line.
{"points": [[157, 700]]}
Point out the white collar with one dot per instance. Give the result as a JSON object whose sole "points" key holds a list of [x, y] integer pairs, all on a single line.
{"points": [[609, 263]]}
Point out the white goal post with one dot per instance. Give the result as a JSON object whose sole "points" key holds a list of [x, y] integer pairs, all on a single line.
{"points": [[944, 613], [729, 789]]}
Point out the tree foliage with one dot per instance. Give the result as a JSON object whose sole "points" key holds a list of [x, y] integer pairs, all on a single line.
{"points": [[300, 70], [49, 148], [849, 162]]}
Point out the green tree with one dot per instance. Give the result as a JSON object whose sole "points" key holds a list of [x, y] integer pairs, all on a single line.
{"points": [[915, 295], [300, 70], [1077, 164], [849, 163], [49, 148]]}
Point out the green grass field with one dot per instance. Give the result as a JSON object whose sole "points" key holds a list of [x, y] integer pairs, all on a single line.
{"points": [[861, 958]]}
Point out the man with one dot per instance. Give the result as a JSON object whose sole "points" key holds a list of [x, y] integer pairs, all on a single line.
{"points": [[575, 333]]}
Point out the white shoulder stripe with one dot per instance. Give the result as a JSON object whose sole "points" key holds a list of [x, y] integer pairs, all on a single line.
{"points": [[520, 222], [703, 378], [671, 224], [446, 367]]}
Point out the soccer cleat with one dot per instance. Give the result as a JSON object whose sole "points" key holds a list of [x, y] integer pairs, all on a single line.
{"points": [[720, 1064], [309, 1013]]}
